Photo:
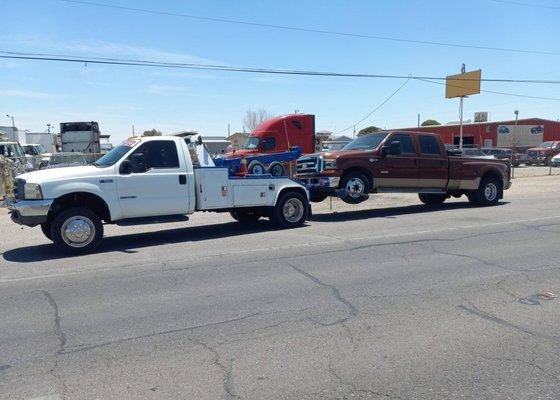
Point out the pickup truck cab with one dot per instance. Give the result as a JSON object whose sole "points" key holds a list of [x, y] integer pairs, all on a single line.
{"points": [[414, 162], [146, 180]]}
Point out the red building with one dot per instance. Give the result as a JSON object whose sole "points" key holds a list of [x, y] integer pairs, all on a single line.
{"points": [[526, 133]]}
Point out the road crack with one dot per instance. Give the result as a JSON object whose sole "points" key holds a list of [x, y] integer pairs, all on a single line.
{"points": [[226, 371], [473, 310], [335, 292], [61, 336], [355, 389]]}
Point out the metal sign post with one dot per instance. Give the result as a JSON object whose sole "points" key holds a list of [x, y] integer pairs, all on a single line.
{"points": [[462, 85]]}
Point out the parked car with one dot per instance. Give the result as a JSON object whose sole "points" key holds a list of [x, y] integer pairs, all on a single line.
{"points": [[59, 160], [476, 153], [401, 161], [35, 154], [543, 153], [515, 157], [556, 160]]}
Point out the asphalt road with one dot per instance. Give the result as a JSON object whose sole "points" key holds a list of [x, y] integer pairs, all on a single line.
{"points": [[388, 300]]}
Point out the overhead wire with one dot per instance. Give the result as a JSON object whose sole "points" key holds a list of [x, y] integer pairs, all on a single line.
{"points": [[520, 3], [310, 30], [376, 108], [216, 67], [491, 91]]}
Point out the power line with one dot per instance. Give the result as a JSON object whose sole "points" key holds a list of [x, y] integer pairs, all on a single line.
{"points": [[310, 30], [215, 67], [376, 108], [519, 3], [493, 91]]}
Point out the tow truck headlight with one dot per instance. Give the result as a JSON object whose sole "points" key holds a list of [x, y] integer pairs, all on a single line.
{"points": [[329, 163], [32, 191]]}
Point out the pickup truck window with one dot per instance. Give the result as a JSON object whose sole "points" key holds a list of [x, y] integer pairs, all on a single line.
{"points": [[159, 154], [407, 147], [429, 145], [366, 142]]}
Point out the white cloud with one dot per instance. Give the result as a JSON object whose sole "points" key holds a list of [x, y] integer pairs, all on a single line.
{"points": [[98, 48], [162, 89], [27, 94]]}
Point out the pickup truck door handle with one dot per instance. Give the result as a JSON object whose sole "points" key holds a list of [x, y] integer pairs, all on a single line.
{"points": [[182, 179]]}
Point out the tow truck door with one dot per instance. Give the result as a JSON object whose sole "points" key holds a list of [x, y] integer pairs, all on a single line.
{"points": [[159, 187]]}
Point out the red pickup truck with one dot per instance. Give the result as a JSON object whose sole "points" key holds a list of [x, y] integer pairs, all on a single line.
{"points": [[413, 162]]}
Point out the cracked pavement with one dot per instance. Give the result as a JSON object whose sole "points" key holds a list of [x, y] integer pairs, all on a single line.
{"points": [[386, 300]]}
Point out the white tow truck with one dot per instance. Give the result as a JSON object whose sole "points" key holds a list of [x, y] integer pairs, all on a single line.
{"points": [[145, 180]]}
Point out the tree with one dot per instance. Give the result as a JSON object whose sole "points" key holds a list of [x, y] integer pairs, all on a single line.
{"points": [[253, 118], [430, 122], [369, 129], [153, 132]]}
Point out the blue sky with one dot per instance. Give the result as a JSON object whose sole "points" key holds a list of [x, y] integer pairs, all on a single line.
{"points": [[37, 93]]}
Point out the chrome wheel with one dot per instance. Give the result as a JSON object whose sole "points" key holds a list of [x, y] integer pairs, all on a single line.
{"points": [[293, 210], [77, 231], [355, 187], [490, 191]]}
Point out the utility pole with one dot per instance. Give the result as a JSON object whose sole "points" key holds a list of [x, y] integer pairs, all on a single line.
{"points": [[228, 130], [418, 120], [133, 130], [461, 115]]}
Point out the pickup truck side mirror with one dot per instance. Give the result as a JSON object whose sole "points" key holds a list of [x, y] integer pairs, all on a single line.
{"points": [[394, 149]]}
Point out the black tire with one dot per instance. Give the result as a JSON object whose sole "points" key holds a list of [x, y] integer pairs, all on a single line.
{"points": [[547, 161], [318, 197], [291, 210], [85, 225], [432, 199], [46, 229], [245, 216], [472, 198], [276, 169], [256, 168], [357, 186], [489, 192]]}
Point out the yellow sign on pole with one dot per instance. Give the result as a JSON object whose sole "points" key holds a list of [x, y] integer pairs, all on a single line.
{"points": [[463, 84]]}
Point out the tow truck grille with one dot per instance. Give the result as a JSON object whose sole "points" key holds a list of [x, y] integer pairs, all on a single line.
{"points": [[307, 165]]}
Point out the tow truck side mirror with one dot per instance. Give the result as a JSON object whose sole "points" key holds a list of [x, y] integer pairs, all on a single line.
{"points": [[126, 167], [137, 163]]}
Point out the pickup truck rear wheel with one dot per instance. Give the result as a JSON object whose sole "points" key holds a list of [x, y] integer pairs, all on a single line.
{"points": [[77, 230], [291, 210], [432, 198], [488, 193], [357, 187], [245, 216]]}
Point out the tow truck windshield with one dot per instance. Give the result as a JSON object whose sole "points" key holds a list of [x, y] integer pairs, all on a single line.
{"points": [[367, 142]]}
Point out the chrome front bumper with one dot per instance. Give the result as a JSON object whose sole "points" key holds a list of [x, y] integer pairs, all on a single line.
{"points": [[327, 182], [29, 212]]}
